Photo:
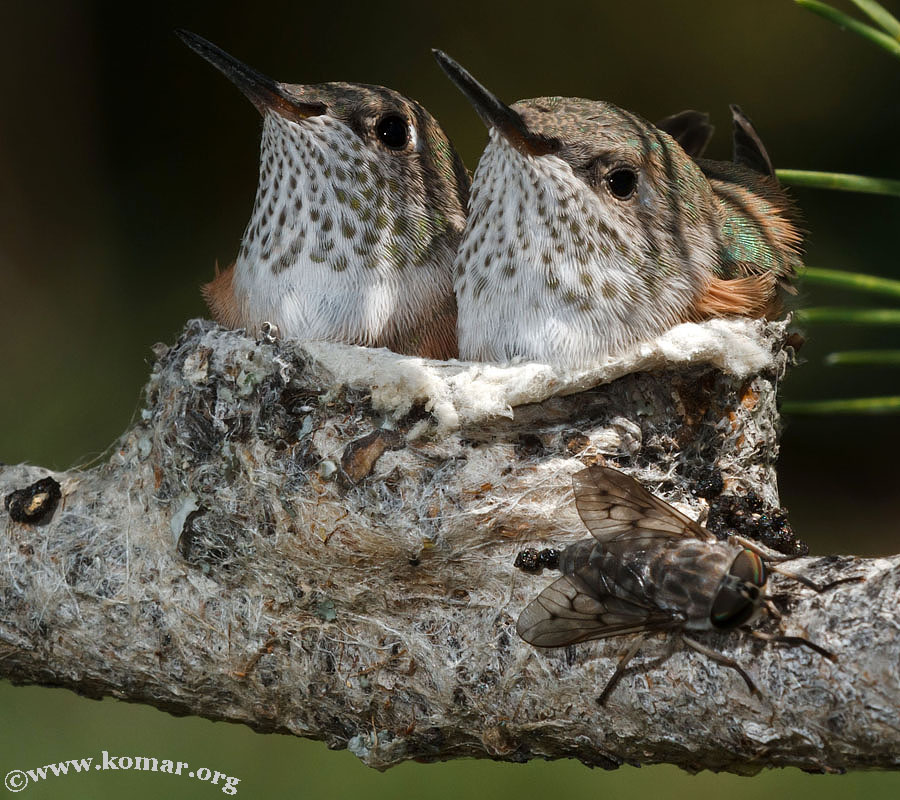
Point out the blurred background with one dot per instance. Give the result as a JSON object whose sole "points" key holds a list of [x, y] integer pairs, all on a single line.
{"points": [[128, 168]]}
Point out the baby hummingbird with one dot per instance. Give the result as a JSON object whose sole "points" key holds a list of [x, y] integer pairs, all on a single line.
{"points": [[591, 229], [359, 211]]}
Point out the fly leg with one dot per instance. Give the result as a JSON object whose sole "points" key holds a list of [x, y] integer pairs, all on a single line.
{"points": [[766, 553], [816, 587], [796, 641], [770, 606], [723, 660], [792, 641], [630, 653], [773, 557]]}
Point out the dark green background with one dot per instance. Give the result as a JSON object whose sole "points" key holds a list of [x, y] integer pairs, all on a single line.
{"points": [[128, 167]]}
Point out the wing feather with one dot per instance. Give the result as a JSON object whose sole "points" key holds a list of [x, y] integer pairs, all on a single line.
{"points": [[749, 150], [616, 508], [691, 129]]}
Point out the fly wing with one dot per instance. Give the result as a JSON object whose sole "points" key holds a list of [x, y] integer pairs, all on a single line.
{"points": [[571, 610], [617, 509]]}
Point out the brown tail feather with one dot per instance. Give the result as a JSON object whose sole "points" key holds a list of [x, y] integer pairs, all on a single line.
{"points": [[219, 296], [433, 337], [750, 296]]}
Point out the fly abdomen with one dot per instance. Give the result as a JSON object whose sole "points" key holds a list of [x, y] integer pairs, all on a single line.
{"points": [[576, 556]]}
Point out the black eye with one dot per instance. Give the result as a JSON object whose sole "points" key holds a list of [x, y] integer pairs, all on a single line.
{"points": [[621, 182], [393, 132]]}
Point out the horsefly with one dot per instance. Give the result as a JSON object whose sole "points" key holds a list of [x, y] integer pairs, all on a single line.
{"points": [[651, 569]]}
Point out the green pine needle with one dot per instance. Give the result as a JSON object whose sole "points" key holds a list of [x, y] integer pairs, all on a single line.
{"points": [[856, 405], [850, 280], [889, 40], [845, 21], [881, 16], [864, 357], [840, 181], [853, 316]]}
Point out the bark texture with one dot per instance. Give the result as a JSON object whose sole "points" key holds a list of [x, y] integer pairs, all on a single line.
{"points": [[320, 540]]}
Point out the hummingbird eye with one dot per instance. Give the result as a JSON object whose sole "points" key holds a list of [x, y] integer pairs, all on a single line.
{"points": [[393, 131], [621, 182]]}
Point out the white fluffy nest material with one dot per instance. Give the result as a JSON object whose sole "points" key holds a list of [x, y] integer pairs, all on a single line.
{"points": [[462, 393]]}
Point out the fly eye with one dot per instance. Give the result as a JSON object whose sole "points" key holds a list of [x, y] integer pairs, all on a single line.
{"points": [[621, 182], [393, 131], [738, 597], [750, 568], [731, 609]]}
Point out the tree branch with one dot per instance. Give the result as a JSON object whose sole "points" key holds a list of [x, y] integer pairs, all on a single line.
{"points": [[319, 539]]}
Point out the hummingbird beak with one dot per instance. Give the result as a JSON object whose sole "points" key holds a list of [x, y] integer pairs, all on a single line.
{"points": [[262, 91], [494, 112]]}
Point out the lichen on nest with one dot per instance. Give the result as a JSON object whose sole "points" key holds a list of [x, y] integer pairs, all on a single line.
{"points": [[334, 439]]}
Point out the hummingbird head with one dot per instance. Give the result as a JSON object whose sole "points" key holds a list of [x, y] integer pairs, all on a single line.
{"points": [[353, 179], [599, 224]]}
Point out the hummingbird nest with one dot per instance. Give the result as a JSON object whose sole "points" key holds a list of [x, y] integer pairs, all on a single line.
{"points": [[320, 539]]}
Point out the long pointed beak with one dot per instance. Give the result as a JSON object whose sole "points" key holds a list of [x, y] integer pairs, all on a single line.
{"points": [[494, 112], [262, 91]]}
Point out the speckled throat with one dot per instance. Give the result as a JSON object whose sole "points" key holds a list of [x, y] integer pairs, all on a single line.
{"points": [[336, 247], [358, 213], [591, 229], [546, 274]]}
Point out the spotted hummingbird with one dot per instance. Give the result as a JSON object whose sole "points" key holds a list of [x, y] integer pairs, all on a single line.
{"points": [[590, 229], [359, 210]]}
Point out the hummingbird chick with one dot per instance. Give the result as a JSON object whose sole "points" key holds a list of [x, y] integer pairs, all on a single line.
{"points": [[590, 229], [359, 211]]}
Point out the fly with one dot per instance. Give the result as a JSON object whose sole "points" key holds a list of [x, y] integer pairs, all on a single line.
{"points": [[651, 569]]}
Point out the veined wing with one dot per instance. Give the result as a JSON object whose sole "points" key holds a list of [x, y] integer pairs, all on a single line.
{"points": [[616, 508], [570, 610]]}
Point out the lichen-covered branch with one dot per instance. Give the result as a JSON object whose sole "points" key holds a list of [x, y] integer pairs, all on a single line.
{"points": [[320, 540]]}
